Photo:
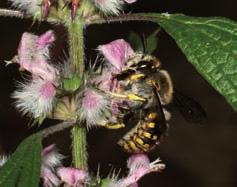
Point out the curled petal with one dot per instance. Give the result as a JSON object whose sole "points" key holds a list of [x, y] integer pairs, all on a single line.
{"points": [[116, 52], [72, 177], [36, 97], [45, 39]]}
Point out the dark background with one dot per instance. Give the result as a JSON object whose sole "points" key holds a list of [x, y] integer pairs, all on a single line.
{"points": [[195, 155]]}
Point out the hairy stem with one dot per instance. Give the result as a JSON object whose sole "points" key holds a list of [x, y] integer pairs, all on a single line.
{"points": [[56, 128], [79, 147], [123, 18], [12, 13], [76, 44]]}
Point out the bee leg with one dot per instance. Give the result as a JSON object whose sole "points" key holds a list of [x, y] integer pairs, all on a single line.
{"points": [[129, 96], [113, 126], [136, 77]]}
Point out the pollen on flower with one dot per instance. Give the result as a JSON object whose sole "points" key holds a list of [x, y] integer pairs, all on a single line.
{"points": [[35, 97]]}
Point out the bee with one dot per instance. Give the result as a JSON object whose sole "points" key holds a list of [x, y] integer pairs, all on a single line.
{"points": [[150, 89]]}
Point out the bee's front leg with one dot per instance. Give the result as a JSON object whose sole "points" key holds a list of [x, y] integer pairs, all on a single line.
{"points": [[129, 96], [113, 126]]}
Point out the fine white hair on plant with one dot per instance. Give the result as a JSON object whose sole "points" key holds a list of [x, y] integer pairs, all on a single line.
{"points": [[51, 160], [3, 160], [30, 6], [51, 157], [35, 97], [94, 108], [110, 7]]}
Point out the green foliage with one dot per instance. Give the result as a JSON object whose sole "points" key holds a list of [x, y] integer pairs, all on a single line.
{"points": [[147, 44], [151, 42], [23, 168], [210, 44], [136, 41], [72, 84]]}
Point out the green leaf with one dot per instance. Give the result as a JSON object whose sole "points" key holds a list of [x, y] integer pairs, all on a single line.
{"points": [[23, 167], [210, 44], [151, 42], [136, 41]]}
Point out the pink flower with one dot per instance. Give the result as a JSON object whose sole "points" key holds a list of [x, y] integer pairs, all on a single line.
{"points": [[51, 159], [93, 107], [72, 177], [111, 7], [139, 165], [50, 179], [33, 54], [35, 97], [116, 52]]}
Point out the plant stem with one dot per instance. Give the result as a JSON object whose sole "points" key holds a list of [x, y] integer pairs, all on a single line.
{"points": [[76, 44], [79, 147], [12, 13], [123, 18]]}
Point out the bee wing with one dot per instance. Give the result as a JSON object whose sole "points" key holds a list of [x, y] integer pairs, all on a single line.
{"points": [[159, 108], [190, 109]]}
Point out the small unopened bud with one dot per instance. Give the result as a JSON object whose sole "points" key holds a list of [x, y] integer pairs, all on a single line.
{"points": [[75, 5], [46, 7]]}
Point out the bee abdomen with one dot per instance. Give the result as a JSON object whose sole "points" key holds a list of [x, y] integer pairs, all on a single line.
{"points": [[143, 138]]}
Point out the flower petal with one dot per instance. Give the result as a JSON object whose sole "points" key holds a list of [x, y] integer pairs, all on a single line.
{"points": [[50, 157], [116, 52], [45, 39], [35, 97], [94, 107], [33, 55], [72, 176], [49, 178]]}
